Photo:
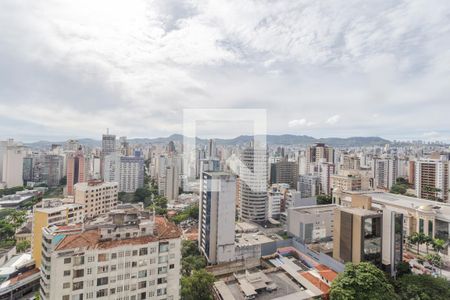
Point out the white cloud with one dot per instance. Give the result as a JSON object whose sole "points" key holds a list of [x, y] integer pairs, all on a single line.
{"points": [[297, 123], [333, 120]]}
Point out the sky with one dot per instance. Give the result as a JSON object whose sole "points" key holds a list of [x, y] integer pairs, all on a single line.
{"points": [[71, 69]]}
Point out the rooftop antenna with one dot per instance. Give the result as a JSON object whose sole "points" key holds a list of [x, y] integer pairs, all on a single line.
{"points": [[107, 130]]}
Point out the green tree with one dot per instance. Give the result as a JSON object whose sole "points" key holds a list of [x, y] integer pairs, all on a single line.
{"points": [[428, 240], [417, 239], [17, 218], [438, 245], [191, 258], [189, 248], [324, 199], [7, 230], [23, 246], [403, 268], [361, 281], [141, 194], [422, 287], [192, 263], [398, 189], [198, 286]]}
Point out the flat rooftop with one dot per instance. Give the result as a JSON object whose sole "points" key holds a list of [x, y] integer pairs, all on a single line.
{"points": [[285, 288], [407, 202], [249, 239], [314, 209]]}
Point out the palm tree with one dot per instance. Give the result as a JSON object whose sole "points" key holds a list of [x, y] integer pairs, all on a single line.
{"points": [[414, 240], [428, 240], [421, 238], [438, 245]]}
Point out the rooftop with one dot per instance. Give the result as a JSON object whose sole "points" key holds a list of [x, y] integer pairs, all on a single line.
{"points": [[442, 210], [91, 239]]}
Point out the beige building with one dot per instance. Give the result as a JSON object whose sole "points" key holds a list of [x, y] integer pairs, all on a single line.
{"points": [[131, 254], [358, 232], [98, 197], [346, 183], [52, 212], [432, 179]]}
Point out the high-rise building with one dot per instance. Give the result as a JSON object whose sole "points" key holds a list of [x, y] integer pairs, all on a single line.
{"points": [[128, 255], [253, 185], [432, 179], [108, 144], [52, 171], [12, 163], [326, 171], [318, 153], [284, 172], [96, 196], [308, 185], [274, 205], [211, 151], [217, 213], [131, 173], [51, 212], [171, 180], [76, 170], [385, 172]]}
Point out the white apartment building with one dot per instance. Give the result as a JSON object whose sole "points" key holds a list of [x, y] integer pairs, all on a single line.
{"points": [[253, 185], [274, 204], [127, 171], [217, 213], [131, 255], [98, 197], [385, 172], [12, 163], [131, 173]]}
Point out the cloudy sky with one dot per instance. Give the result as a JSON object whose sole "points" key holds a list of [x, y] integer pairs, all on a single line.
{"points": [[321, 68]]}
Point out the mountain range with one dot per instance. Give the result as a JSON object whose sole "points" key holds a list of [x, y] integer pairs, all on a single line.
{"points": [[285, 139]]}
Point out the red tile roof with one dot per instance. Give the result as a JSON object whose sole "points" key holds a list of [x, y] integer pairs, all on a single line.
{"points": [[22, 276], [316, 281], [90, 239], [326, 272]]}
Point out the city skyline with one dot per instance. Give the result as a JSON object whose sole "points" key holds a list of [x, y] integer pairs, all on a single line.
{"points": [[353, 69]]}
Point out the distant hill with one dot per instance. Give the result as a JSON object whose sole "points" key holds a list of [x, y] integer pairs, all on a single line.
{"points": [[285, 139]]}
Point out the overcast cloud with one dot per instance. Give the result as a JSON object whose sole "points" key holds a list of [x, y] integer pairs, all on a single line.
{"points": [[322, 68]]}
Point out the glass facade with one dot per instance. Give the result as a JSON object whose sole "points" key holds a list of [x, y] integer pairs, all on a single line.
{"points": [[371, 239]]}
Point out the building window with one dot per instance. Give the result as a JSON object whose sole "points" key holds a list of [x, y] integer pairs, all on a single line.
{"points": [[102, 293], [78, 273], [67, 273], [66, 285], [430, 228], [77, 285], [143, 251], [103, 257], [67, 260], [421, 225], [163, 247], [102, 281]]}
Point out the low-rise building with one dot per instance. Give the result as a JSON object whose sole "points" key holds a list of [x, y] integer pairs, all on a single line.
{"points": [[311, 223]]}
